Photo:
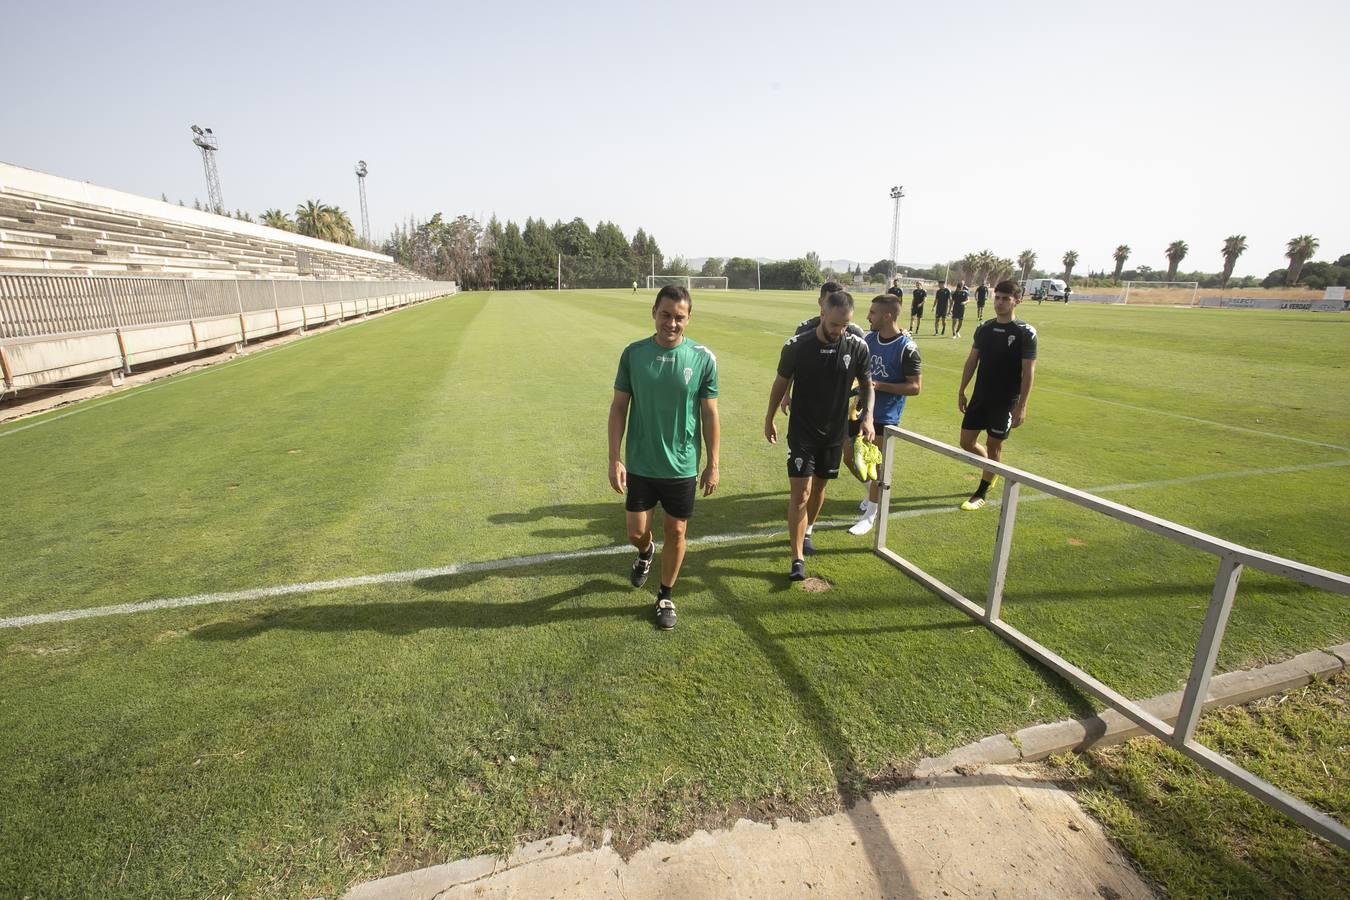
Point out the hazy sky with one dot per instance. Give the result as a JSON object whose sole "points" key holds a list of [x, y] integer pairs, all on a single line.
{"points": [[724, 128]]}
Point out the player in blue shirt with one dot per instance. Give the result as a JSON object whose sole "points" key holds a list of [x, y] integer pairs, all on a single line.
{"points": [[895, 372]]}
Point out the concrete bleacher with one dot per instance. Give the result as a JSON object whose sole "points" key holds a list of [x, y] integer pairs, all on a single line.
{"points": [[51, 224]]}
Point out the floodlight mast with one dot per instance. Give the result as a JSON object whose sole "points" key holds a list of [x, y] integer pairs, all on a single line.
{"points": [[206, 142], [897, 193], [365, 214]]}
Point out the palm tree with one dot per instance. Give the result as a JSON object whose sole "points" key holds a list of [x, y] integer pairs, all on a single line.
{"points": [[1233, 246], [1300, 250], [1176, 252], [1070, 260], [275, 218], [314, 218], [1122, 253], [1027, 260]]}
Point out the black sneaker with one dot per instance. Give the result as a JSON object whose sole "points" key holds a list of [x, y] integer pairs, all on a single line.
{"points": [[665, 614], [642, 567], [808, 548], [798, 570]]}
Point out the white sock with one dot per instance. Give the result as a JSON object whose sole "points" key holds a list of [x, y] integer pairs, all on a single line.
{"points": [[809, 527], [871, 508]]}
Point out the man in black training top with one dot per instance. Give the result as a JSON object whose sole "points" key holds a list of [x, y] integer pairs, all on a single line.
{"points": [[960, 296], [1004, 351], [916, 308], [981, 295], [895, 290], [810, 324], [821, 366], [944, 297]]}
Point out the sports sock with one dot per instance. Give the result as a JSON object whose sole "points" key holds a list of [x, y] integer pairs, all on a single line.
{"points": [[649, 552], [983, 488], [872, 508], [664, 593], [809, 527]]}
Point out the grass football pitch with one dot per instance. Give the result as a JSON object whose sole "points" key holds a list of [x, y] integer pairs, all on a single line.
{"points": [[294, 744]]}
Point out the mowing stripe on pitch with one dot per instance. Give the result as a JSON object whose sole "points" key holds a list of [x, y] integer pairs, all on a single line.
{"points": [[514, 562]]}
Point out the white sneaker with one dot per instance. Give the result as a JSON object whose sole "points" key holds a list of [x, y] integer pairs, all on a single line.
{"points": [[864, 525]]}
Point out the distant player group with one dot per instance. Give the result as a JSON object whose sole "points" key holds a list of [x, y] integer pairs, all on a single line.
{"points": [[834, 380]]}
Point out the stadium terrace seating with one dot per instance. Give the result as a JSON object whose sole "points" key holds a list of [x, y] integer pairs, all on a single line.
{"points": [[50, 224]]}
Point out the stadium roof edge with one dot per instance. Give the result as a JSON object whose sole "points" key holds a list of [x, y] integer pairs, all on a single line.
{"points": [[43, 184]]}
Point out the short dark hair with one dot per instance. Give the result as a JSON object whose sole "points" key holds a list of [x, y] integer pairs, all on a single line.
{"points": [[830, 287], [674, 292], [1009, 287], [890, 301], [839, 300]]}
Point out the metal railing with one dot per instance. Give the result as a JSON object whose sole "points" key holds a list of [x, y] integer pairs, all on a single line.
{"points": [[1232, 559], [50, 304], [55, 327]]}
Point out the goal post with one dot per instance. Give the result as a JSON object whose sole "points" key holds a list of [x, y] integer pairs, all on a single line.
{"points": [[1161, 293], [689, 282]]}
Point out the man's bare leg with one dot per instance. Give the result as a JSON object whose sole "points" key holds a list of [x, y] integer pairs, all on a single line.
{"points": [[672, 551], [799, 496]]}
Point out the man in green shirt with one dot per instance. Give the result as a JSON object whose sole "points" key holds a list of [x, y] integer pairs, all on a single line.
{"points": [[665, 392]]}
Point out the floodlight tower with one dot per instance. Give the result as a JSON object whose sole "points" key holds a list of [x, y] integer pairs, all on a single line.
{"points": [[365, 215], [897, 192], [206, 142]]}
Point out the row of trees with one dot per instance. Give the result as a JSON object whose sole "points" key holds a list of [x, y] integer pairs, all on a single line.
{"points": [[1298, 251], [315, 219]]}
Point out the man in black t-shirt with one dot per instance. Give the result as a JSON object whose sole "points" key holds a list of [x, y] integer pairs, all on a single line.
{"points": [[895, 290], [944, 297], [981, 295], [821, 367], [959, 298], [916, 308], [1004, 350], [810, 324]]}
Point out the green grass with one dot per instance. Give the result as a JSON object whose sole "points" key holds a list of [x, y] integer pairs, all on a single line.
{"points": [[1197, 836], [292, 746]]}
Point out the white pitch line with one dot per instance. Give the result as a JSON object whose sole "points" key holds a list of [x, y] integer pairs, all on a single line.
{"points": [[492, 565]]}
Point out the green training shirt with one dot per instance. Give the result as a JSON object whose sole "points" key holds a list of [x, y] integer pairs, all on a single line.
{"points": [[667, 387]]}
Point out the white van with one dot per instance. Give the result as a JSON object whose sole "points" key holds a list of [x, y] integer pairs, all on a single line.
{"points": [[1049, 288]]}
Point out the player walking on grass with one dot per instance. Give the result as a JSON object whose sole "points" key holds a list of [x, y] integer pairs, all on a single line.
{"points": [[944, 297], [810, 324], [822, 367], [1004, 352], [916, 308], [666, 393], [895, 373], [960, 297], [981, 295]]}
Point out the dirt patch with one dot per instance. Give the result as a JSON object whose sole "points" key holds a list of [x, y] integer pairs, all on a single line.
{"points": [[33, 650], [815, 585], [1077, 542]]}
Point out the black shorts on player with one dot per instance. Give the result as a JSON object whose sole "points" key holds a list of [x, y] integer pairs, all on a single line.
{"points": [[916, 310], [676, 495], [812, 459], [993, 416]]}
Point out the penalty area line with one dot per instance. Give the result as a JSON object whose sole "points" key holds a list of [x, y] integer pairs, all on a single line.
{"points": [[515, 562]]}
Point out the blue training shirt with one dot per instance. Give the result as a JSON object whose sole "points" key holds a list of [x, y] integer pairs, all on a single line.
{"points": [[893, 362]]}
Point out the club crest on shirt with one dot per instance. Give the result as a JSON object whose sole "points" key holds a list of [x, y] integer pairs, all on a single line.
{"points": [[847, 358], [1011, 338], [688, 373]]}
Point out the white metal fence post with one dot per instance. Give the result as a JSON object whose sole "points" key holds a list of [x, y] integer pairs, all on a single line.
{"points": [[884, 504], [1207, 650], [998, 572]]}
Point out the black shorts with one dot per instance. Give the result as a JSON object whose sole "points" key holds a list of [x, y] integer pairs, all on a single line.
{"points": [[993, 416], [812, 458], [958, 312], [916, 310], [941, 310], [676, 495], [979, 304]]}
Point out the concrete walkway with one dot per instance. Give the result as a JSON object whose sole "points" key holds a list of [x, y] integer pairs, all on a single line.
{"points": [[1000, 832]]}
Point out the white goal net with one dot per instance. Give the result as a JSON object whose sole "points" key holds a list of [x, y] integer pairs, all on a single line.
{"points": [[690, 282], [1161, 293]]}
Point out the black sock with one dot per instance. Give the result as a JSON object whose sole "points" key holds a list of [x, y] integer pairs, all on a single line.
{"points": [[649, 552], [663, 594], [983, 488]]}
